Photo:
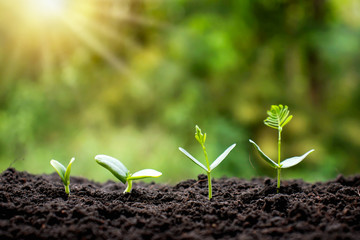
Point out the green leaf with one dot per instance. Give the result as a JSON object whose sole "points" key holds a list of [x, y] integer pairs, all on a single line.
{"points": [[60, 169], [287, 120], [193, 159], [294, 160], [199, 136], [145, 173], [221, 157], [278, 117], [67, 173], [263, 155], [114, 166]]}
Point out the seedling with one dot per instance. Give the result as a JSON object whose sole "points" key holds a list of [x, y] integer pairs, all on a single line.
{"points": [[201, 139], [63, 172], [122, 173], [277, 119]]}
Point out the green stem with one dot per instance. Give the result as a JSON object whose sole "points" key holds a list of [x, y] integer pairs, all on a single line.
{"points": [[209, 185], [206, 157], [278, 180], [279, 159], [129, 186], [208, 171], [67, 189]]}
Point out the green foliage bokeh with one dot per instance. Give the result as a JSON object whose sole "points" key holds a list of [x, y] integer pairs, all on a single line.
{"points": [[135, 87]]}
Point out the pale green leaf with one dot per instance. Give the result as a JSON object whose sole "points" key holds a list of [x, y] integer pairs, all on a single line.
{"points": [[278, 117], [263, 155], [294, 160], [199, 136], [60, 169], [67, 173], [145, 173], [114, 166], [287, 120], [221, 157], [193, 159]]}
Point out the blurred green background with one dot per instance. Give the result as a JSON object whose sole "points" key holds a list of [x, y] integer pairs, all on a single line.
{"points": [[131, 78]]}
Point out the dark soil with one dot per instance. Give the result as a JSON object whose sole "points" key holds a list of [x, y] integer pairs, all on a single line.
{"points": [[36, 207]]}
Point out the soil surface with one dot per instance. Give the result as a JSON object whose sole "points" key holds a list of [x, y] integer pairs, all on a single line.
{"points": [[36, 207]]}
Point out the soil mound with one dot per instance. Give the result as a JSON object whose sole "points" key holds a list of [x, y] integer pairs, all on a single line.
{"points": [[36, 207]]}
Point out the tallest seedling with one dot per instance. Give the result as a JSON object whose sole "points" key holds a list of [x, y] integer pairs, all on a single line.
{"points": [[277, 119], [201, 139]]}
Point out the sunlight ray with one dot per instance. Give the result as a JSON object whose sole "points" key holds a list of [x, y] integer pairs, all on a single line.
{"points": [[57, 50], [122, 15], [47, 62], [12, 61], [61, 52], [121, 12], [95, 45], [102, 5], [108, 32]]}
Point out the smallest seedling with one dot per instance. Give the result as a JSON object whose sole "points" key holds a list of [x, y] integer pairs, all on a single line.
{"points": [[63, 172], [122, 173]]}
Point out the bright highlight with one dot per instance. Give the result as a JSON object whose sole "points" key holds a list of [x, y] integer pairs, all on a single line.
{"points": [[50, 30], [48, 8]]}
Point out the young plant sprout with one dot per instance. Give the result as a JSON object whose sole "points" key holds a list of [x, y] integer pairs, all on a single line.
{"points": [[201, 139], [277, 119], [63, 172], [122, 173]]}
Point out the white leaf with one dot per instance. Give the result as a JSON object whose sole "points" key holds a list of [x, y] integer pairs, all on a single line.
{"points": [[193, 159], [263, 155], [145, 173], [294, 160], [221, 157]]}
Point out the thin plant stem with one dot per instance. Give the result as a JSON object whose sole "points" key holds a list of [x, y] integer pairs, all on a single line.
{"points": [[67, 189], [278, 180], [208, 172], [279, 159], [206, 157], [129, 186], [209, 185]]}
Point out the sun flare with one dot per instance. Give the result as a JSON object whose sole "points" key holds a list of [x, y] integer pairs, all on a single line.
{"points": [[46, 9], [49, 7], [52, 30]]}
